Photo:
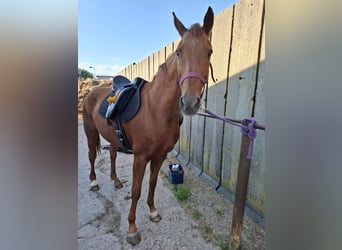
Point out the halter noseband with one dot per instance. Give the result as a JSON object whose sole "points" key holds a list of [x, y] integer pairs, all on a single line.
{"points": [[203, 79]]}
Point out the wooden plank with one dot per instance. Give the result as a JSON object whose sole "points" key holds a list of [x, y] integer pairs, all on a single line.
{"points": [[148, 68], [220, 42], [213, 131], [169, 50], [144, 69], [134, 70], [176, 43], [241, 82], [138, 73], [155, 63], [141, 68], [184, 139], [256, 186], [197, 140], [130, 72], [121, 72], [161, 56], [221, 36], [158, 59]]}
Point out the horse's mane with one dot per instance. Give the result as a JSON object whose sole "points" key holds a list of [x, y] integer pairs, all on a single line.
{"points": [[162, 69]]}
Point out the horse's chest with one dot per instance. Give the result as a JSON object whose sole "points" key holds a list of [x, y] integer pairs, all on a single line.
{"points": [[166, 139]]}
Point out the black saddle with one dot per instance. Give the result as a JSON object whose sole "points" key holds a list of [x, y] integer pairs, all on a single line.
{"points": [[123, 102]]}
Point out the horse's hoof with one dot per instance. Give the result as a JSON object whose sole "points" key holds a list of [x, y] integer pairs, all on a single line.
{"points": [[133, 238], [155, 217], [118, 184], [94, 186]]}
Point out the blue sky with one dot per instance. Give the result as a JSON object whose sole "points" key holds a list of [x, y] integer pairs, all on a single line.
{"points": [[114, 34]]}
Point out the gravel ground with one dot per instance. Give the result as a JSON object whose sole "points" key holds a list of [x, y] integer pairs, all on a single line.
{"points": [[200, 222]]}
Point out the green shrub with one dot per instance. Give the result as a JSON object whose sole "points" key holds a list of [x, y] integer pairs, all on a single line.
{"points": [[181, 192], [196, 214], [86, 74]]}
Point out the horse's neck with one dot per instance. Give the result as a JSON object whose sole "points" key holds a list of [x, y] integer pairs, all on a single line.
{"points": [[165, 86]]}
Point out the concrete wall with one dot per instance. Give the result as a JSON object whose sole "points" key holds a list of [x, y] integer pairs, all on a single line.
{"points": [[238, 40]]}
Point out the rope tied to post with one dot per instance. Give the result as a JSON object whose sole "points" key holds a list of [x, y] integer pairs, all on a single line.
{"points": [[250, 132]]}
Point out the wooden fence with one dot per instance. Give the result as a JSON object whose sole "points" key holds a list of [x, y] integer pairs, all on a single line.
{"points": [[238, 40]]}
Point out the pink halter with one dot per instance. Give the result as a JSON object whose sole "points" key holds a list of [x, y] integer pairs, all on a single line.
{"points": [[203, 79]]}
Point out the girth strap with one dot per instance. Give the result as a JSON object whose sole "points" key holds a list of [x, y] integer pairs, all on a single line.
{"points": [[120, 132]]}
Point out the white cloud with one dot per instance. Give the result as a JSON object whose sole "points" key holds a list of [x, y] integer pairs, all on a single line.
{"points": [[116, 59], [109, 70], [84, 65]]}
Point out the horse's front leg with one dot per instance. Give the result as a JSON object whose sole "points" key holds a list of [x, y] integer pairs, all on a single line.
{"points": [[139, 165], [117, 182], [156, 164]]}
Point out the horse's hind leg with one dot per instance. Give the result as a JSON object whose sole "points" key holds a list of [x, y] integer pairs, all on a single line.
{"points": [[94, 147], [117, 182], [155, 167]]}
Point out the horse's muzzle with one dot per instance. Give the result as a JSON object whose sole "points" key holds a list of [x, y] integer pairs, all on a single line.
{"points": [[189, 104]]}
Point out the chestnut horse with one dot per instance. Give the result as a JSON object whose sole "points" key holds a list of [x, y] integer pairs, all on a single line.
{"points": [[154, 130]]}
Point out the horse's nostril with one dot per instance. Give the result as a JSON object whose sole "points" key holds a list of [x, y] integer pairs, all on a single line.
{"points": [[189, 105], [198, 103], [182, 100]]}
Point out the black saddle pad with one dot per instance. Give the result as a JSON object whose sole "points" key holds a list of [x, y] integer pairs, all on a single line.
{"points": [[127, 100]]}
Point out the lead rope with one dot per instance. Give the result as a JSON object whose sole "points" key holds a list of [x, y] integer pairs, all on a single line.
{"points": [[249, 130], [212, 77], [212, 73]]}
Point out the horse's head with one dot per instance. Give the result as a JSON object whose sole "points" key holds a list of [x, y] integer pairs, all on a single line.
{"points": [[193, 60]]}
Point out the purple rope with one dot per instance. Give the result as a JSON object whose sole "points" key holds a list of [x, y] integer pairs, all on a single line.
{"points": [[224, 119], [249, 131]]}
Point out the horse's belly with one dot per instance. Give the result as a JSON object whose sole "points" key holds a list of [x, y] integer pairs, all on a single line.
{"points": [[107, 132]]}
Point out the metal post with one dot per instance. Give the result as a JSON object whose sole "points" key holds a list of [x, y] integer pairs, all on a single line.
{"points": [[91, 67], [240, 193]]}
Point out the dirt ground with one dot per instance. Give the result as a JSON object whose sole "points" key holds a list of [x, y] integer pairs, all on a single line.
{"points": [[201, 222]]}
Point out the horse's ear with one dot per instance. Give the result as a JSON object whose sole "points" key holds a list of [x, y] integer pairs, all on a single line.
{"points": [[178, 24], [208, 21]]}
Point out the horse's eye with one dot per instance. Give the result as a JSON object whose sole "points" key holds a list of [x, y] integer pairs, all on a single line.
{"points": [[177, 53]]}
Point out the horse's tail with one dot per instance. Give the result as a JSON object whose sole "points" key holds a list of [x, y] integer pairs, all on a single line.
{"points": [[89, 127], [98, 145]]}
